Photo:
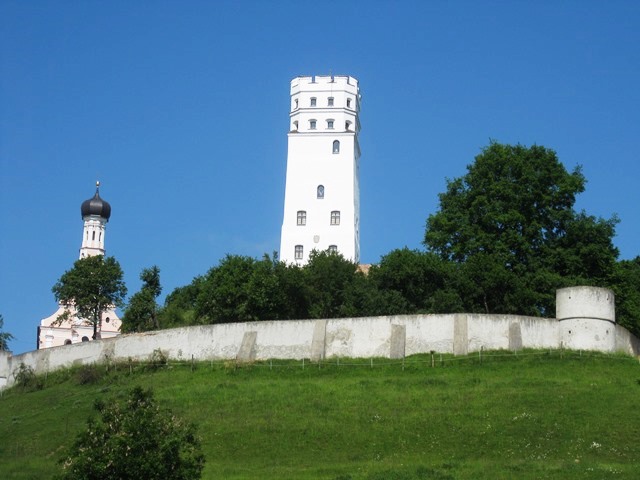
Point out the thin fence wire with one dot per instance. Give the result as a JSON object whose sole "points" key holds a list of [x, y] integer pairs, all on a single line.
{"points": [[436, 360]]}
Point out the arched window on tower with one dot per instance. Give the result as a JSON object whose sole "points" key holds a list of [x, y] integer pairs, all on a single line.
{"points": [[347, 125], [336, 146], [93, 236], [320, 191]]}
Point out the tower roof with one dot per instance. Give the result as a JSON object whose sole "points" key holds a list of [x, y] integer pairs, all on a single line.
{"points": [[96, 206]]}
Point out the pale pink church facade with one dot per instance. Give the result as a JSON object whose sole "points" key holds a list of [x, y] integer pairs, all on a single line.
{"points": [[95, 214]]}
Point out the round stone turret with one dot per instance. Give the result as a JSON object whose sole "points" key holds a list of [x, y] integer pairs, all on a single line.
{"points": [[96, 206], [587, 317]]}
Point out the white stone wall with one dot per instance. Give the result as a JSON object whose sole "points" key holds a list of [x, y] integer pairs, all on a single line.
{"points": [[347, 337]]}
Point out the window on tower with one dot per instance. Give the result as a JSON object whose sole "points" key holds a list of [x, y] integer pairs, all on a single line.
{"points": [[348, 103], [312, 124], [93, 235], [347, 126], [313, 101], [295, 126], [320, 191], [335, 217], [298, 252], [330, 124], [333, 249], [330, 102], [336, 146], [295, 104], [301, 217]]}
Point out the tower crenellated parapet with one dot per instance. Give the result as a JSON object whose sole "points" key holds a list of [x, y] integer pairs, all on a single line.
{"points": [[587, 318]]}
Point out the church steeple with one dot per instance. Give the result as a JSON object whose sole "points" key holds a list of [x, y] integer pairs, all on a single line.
{"points": [[95, 213]]}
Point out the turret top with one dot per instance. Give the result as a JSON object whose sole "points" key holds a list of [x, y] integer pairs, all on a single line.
{"points": [[96, 206]]}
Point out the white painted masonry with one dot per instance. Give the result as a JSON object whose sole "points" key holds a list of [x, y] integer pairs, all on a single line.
{"points": [[322, 193], [345, 337]]}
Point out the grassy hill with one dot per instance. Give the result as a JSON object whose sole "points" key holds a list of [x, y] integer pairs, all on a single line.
{"points": [[535, 415]]}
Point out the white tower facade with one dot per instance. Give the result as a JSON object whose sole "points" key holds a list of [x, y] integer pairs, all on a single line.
{"points": [[95, 214], [322, 194]]}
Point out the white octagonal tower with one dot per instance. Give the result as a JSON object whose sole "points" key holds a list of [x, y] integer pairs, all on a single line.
{"points": [[322, 194]]}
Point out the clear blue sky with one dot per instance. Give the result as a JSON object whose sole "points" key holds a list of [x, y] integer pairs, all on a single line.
{"points": [[180, 109]]}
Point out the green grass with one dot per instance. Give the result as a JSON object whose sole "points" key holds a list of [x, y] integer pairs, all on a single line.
{"points": [[531, 416]]}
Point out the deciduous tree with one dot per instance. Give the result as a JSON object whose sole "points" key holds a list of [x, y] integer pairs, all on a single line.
{"points": [[510, 223], [4, 336], [91, 287], [142, 312], [134, 439]]}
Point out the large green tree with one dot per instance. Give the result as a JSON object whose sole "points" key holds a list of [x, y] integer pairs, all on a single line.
{"points": [[626, 285], [4, 336], [91, 287], [426, 282], [510, 224], [142, 312], [134, 439]]}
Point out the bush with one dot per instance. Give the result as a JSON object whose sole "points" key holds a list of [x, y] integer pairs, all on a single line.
{"points": [[88, 375], [134, 439], [157, 360], [26, 378]]}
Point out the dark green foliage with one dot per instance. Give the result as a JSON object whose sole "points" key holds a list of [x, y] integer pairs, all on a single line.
{"points": [[330, 280], [142, 312], [26, 379], [179, 306], [423, 280], [92, 286], [89, 374], [510, 225], [134, 439], [4, 336], [157, 360], [626, 285], [243, 289]]}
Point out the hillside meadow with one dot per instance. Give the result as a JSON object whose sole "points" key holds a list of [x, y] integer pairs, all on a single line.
{"points": [[534, 415]]}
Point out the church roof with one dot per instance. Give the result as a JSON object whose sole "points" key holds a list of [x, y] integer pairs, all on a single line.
{"points": [[96, 206]]}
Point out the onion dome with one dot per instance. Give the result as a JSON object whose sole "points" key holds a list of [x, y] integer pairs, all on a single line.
{"points": [[96, 206]]}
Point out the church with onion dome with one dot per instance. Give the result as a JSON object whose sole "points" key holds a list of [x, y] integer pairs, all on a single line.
{"points": [[95, 214]]}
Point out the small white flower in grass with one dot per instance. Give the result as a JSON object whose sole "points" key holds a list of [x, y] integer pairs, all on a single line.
{"points": [[595, 445]]}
